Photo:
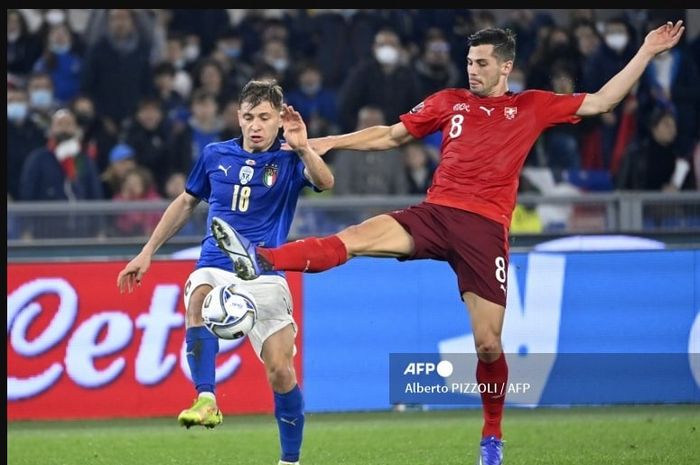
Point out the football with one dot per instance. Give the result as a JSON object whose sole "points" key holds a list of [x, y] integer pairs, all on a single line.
{"points": [[229, 311]]}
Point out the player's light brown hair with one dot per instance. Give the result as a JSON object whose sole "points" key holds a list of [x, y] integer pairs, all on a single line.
{"points": [[503, 41], [256, 92]]}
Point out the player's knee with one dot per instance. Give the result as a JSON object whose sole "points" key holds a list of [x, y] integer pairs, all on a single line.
{"points": [[194, 308], [354, 239], [488, 344], [280, 375]]}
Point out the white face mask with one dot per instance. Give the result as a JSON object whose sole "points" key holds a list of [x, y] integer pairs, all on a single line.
{"points": [[280, 64], [387, 55], [191, 52], [617, 41]]}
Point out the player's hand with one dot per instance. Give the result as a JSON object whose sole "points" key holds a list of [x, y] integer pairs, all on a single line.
{"points": [[294, 128], [133, 272], [664, 37], [321, 145]]}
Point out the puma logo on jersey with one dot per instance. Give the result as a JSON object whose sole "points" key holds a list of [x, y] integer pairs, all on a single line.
{"points": [[487, 110], [225, 170]]}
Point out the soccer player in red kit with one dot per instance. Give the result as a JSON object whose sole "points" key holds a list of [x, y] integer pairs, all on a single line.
{"points": [[487, 132]]}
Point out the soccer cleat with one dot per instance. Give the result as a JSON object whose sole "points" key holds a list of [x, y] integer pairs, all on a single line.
{"points": [[246, 262], [203, 412], [491, 451], [282, 462]]}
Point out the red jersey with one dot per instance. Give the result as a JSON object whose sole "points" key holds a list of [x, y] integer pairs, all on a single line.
{"points": [[485, 141]]}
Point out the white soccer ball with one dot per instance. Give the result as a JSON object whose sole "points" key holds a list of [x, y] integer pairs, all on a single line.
{"points": [[229, 311]]}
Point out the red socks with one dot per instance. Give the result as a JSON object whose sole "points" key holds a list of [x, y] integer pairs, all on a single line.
{"points": [[310, 255], [495, 376]]}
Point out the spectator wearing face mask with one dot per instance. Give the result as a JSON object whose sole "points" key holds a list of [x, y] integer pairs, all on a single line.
{"points": [[60, 170], [97, 139], [275, 54], [317, 104], [23, 136], [230, 45], [206, 24], [434, 67], [672, 81], [618, 46], [61, 62], [384, 80], [557, 49], [42, 103], [175, 56]]}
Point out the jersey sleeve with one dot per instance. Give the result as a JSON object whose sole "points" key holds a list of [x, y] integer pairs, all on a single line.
{"points": [[198, 180], [424, 118], [299, 175], [555, 108]]}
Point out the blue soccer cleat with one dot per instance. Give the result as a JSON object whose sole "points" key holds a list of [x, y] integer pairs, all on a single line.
{"points": [[491, 451], [238, 248]]}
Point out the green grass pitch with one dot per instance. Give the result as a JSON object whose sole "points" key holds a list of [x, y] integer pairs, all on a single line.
{"points": [[626, 435]]}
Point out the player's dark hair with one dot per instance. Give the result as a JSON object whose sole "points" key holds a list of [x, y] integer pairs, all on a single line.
{"points": [[256, 92], [503, 41]]}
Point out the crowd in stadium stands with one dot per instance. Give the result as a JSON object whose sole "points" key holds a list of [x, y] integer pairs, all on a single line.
{"points": [[119, 103]]}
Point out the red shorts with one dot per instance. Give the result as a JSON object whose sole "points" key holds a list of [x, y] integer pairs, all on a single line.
{"points": [[475, 247]]}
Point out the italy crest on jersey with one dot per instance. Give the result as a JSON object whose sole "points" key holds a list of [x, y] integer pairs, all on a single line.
{"points": [[270, 175]]}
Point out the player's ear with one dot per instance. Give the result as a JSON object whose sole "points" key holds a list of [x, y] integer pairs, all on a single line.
{"points": [[507, 67]]}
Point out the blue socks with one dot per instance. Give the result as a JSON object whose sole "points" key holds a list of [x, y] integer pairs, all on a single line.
{"points": [[202, 347], [289, 411]]}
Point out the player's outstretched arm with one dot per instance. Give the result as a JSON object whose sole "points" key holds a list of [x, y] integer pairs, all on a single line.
{"points": [[296, 139], [372, 138], [174, 218], [657, 41]]}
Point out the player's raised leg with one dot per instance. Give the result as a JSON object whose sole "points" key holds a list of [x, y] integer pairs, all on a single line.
{"points": [[278, 355], [201, 350], [492, 370], [379, 236]]}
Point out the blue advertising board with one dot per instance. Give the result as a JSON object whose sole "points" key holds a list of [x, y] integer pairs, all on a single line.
{"points": [[580, 328]]}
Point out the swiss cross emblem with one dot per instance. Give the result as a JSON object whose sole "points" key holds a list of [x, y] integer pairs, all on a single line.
{"points": [[510, 112]]}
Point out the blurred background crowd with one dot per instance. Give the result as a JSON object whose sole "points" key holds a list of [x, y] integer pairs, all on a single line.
{"points": [[119, 103]]}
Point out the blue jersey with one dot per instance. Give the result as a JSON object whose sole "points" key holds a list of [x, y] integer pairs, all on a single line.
{"points": [[256, 193]]}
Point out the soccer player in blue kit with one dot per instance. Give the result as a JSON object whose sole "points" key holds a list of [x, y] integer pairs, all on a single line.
{"points": [[249, 182]]}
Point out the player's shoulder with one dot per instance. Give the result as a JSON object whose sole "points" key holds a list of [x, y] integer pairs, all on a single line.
{"points": [[544, 97], [442, 99], [229, 145]]}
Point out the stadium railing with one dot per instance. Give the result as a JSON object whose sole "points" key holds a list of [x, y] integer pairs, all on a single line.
{"points": [[90, 223]]}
